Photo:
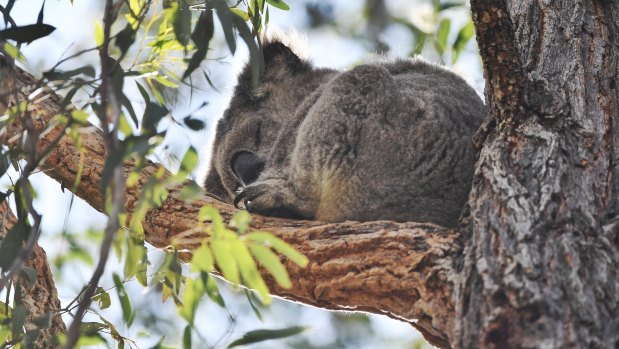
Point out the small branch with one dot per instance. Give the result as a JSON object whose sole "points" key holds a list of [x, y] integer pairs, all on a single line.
{"points": [[403, 270], [503, 69]]}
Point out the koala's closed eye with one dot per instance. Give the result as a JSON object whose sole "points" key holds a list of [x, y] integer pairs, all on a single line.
{"points": [[246, 166]]}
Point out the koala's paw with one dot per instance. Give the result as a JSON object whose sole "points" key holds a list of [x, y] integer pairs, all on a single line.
{"points": [[269, 198]]}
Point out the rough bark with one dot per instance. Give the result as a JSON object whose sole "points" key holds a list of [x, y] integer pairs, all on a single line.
{"points": [[39, 298], [540, 244]]}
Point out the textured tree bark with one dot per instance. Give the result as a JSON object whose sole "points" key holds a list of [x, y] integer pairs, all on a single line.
{"points": [[39, 298], [541, 259]]}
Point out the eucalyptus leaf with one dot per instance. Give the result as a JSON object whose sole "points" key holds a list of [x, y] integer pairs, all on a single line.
{"points": [[264, 335]]}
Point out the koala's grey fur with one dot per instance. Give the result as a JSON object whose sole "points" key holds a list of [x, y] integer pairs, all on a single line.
{"points": [[390, 140]]}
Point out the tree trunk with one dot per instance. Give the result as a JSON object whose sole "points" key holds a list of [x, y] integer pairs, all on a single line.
{"points": [[540, 238], [534, 261]]}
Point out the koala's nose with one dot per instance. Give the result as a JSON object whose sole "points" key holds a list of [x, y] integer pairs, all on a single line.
{"points": [[246, 166]]}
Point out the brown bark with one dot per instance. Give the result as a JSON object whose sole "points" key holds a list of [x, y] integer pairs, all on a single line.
{"points": [[39, 298], [540, 269]]}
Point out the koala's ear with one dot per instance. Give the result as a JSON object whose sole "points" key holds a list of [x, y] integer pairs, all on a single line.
{"points": [[280, 62]]}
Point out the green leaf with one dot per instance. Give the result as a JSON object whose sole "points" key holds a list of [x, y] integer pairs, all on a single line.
{"points": [[129, 107], [194, 62], [249, 270], [271, 262], [113, 160], [279, 4], [87, 70], [99, 36], [18, 320], [90, 340], [14, 52], [26, 33], [191, 299], [182, 23], [464, 35], [202, 259], [278, 245], [264, 335], [11, 245], [125, 302], [240, 220], [194, 124], [187, 337], [209, 213], [152, 115], [203, 32], [225, 18], [30, 274], [250, 299], [102, 298], [237, 11], [5, 163], [125, 38], [213, 291], [442, 34], [143, 93], [162, 345], [190, 191], [222, 251], [189, 162], [5, 312]]}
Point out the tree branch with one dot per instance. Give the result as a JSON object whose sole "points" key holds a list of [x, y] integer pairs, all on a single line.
{"points": [[402, 270]]}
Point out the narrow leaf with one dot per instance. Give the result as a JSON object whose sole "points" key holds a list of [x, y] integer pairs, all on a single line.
{"points": [[280, 246], [225, 18], [279, 4], [441, 35], [125, 302], [182, 23], [270, 261], [464, 35], [263, 335]]}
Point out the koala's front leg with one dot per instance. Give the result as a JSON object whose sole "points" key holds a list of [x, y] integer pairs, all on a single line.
{"points": [[274, 197]]}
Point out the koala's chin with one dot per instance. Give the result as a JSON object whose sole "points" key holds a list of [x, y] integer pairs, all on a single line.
{"points": [[386, 140]]}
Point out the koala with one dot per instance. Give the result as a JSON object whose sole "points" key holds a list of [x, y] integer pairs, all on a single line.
{"points": [[389, 140]]}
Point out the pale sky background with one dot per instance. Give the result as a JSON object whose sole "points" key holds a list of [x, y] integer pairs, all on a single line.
{"points": [[75, 28]]}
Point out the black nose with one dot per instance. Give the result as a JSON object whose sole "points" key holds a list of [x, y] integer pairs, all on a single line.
{"points": [[246, 166]]}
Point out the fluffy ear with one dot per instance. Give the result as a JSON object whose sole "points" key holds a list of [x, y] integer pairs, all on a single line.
{"points": [[280, 63]]}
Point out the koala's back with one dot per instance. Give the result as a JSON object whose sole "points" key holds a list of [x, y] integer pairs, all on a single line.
{"points": [[387, 140]]}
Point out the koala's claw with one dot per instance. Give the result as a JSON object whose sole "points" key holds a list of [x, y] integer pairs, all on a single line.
{"points": [[239, 198], [257, 199]]}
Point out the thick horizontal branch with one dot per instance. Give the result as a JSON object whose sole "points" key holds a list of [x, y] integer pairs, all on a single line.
{"points": [[403, 270]]}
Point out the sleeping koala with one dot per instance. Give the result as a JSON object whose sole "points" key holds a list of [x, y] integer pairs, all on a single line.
{"points": [[389, 140]]}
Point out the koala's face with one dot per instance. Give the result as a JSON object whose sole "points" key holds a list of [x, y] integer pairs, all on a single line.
{"points": [[242, 143], [246, 133]]}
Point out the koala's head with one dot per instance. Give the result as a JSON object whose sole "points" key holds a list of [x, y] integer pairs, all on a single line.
{"points": [[249, 127]]}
